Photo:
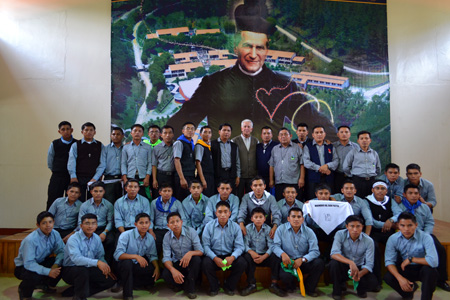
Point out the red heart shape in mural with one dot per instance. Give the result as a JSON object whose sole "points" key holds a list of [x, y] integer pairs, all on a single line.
{"points": [[269, 93]]}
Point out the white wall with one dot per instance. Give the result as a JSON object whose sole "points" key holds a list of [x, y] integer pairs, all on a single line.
{"points": [[55, 65]]}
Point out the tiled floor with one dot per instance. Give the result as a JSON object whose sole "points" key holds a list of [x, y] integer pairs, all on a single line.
{"points": [[8, 291]]}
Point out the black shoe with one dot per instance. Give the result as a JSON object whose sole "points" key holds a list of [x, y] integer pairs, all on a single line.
{"points": [[362, 294], [444, 285], [377, 288], [116, 288], [191, 295], [275, 289], [213, 293], [312, 294], [336, 297], [69, 292], [21, 297], [228, 292], [251, 288]]}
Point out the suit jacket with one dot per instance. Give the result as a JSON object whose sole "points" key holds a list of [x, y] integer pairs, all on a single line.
{"points": [[247, 157]]}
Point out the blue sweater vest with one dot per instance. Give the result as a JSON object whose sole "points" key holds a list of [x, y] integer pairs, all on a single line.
{"points": [[314, 176]]}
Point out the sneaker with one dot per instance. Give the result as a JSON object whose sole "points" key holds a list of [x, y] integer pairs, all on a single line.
{"points": [[275, 289], [69, 292], [191, 295], [444, 285], [228, 292], [312, 294], [251, 288]]}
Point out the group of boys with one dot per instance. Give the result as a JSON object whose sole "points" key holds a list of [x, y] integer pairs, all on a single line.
{"points": [[221, 230]]}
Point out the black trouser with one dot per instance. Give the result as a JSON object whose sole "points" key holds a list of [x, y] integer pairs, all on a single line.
{"points": [[339, 274], [190, 273], [108, 244], [244, 187], [83, 181], [160, 233], [56, 187], [113, 191], [32, 279], [226, 174], [133, 276], [379, 237], [279, 189], [87, 281], [363, 185], [64, 232], [339, 179], [209, 267], [273, 262], [313, 268], [179, 192], [426, 274], [442, 256], [211, 188]]}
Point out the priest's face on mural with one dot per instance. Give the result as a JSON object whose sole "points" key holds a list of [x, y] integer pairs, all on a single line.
{"points": [[252, 50]]}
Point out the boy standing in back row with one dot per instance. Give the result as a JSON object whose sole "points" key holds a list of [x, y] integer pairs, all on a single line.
{"points": [[57, 157], [111, 159]]}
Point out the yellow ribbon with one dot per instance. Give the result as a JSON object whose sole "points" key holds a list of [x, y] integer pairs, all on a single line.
{"points": [[301, 283], [204, 144]]}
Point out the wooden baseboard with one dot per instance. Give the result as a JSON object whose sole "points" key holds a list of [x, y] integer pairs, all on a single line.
{"points": [[11, 231]]}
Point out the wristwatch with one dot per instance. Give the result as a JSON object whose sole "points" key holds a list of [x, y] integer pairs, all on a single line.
{"points": [[304, 260], [410, 259]]}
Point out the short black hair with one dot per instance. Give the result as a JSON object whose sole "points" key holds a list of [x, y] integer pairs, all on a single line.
{"points": [[174, 213], [289, 186], [88, 216], [114, 128], [225, 124], [223, 203], [224, 181], [318, 126], [302, 125], [164, 185], [283, 128], [187, 123], [406, 215], [257, 177], [137, 125], [257, 210], [391, 166], [154, 126], [410, 186], [343, 126], [204, 127], [294, 208], [97, 183], [63, 123], [87, 124], [74, 185], [167, 127], [195, 180], [322, 186], [266, 127], [348, 181], [42, 215], [412, 167], [130, 181], [354, 218], [140, 216], [364, 132]]}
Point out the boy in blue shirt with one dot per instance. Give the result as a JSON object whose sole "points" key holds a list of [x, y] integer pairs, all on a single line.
{"points": [[57, 157], [223, 195], [289, 201], [65, 210], [34, 265], [136, 256], [195, 206], [258, 252]]}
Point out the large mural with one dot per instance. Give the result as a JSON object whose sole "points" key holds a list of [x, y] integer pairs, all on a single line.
{"points": [[276, 62]]}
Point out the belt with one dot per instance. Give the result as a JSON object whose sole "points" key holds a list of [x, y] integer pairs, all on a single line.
{"points": [[168, 173], [226, 169], [366, 178], [107, 177]]}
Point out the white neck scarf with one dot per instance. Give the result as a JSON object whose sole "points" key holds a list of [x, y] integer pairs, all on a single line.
{"points": [[261, 201], [372, 199]]}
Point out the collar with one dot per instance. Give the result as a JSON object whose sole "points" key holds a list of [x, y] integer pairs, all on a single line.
{"points": [[67, 142], [41, 234], [137, 235], [201, 142], [414, 236], [368, 150], [314, 143], [248, 73], [220, 141], [267, 144], [114, 146], [93, 202], [133, 144], [289, 227], [281, 146], [199, 200], [84, 141], [83, 236], [359, 237], [253, 226], [67, 201], [244, 138], [293, 205], [126, 197], [183, 233], [218, 225]]}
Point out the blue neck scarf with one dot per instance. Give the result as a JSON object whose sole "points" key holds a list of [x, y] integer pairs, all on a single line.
{"points": [[160, 207], [183, 138], [410, 207]]}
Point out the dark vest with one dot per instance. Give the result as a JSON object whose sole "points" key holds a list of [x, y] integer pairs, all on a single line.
{"points": [[187, 160], [380, 214], [88, 158], [314, 176], [262, 158], [217, 158], [207, 162], [61, 156]]}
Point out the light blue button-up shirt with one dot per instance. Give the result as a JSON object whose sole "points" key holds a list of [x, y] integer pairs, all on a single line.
{"points": [[210, 211], [286, 162], [342, 152], [82, 251], [136, 158], [395, 188], [72, 162], [362, 164], [36, 247], [131, 242], [66, 215], [111, 159], [426, 190], [126, 210], [104, 212], [421, 245], [195, 212], [423, 215], [159, 218], [284, 208], [270, 207], [295, 245], [51, 152], [174, 249], [360, 207], [260, 242], [361, 251], [218, 240]]}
